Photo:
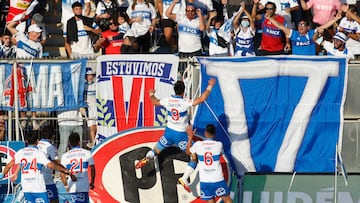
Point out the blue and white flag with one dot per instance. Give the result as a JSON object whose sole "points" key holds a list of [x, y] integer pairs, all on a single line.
{"points": [[43, 86], [279, 114]]}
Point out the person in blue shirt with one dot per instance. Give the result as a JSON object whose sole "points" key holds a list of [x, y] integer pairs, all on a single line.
{"points": [[303, 39]]}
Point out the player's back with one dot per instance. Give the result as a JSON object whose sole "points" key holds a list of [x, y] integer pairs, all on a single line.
{"points": [[77, 160], [32, 161], [51, 153], [177, 110], [208, 153]]}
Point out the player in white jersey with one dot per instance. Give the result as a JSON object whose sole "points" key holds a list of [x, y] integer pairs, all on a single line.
{"points": [[78, 161], [208, 152], [177, 121], [31, 161], [45, 145]]}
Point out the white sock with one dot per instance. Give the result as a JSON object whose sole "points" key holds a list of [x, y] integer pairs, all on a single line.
{"points": [[150, 154], [187, 173]]}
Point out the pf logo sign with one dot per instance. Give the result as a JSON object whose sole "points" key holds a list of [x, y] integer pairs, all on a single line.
{"points": [[118, 181]]}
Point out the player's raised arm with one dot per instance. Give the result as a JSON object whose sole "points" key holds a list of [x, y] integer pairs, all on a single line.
{"points": [[155, 101], [206, 93]]}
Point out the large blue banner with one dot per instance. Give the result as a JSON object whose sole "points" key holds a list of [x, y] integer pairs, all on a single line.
{"points": [[279, 114], [43, 86]]}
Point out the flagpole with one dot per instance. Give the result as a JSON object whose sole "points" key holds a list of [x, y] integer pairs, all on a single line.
{"points": [[335, 175], [16, 100]]}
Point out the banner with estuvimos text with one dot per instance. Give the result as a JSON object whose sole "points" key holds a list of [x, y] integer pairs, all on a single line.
{"points": [[43, 86], [276, 113], [122, 91]]}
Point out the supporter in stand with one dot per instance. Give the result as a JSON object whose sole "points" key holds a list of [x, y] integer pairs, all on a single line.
{"points": [[109, 40], [23, 27], [351, 28], [273, 41], [216, 48], [7, 49], [19, 10], [244, 33], [168, 25], [142, 19], [68, 121], [283, 8], [105, 11], [78, 34], [323, 11], [90, 98], [190, 27], [302, 40], [337, 47], [28, 46]]}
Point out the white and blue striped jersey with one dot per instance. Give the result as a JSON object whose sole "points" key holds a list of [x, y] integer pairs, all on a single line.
{"points": [[208, 152], [77, 160], [32, 162], [51, 153], [27, 48], [177, 112], [189, 34]]}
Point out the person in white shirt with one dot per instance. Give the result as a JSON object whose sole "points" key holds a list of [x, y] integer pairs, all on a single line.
{"points": [[28, 46], [190, 28], [351, 27], [79, 161], [45, 145], [337, 47], [142, 16], [212, 28], [77, 33], [31, 161], [68, 121], [177, 122], [208, 153]]}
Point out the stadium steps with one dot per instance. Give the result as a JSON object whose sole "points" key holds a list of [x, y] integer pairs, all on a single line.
{"points": [[54, 45]]}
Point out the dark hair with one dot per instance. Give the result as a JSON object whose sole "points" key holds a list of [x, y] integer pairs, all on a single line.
{"points": [[305, 20], [271, 3], [123, 15], [76, 4], [74, 139], [352, 8], [179, 87], [32, 137], [210, 129], [47, 132]]}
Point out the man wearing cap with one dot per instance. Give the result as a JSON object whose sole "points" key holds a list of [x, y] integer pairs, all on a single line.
{"points": [[23, 27], [28, 46], [338, 46]]}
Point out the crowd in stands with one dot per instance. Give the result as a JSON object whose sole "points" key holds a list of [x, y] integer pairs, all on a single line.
{"points": [[190, 27]]}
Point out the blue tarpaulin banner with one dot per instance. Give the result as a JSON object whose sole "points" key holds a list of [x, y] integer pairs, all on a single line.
{"points": [[43, 86], [276, 114]]}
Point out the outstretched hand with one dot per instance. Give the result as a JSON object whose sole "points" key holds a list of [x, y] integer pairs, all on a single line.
{"points": [[211, 81]]}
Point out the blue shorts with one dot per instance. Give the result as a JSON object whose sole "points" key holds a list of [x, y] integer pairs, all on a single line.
{"points": [[34, 197], [79, 197], [171, 138], [209, 191], [52, 192]]}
